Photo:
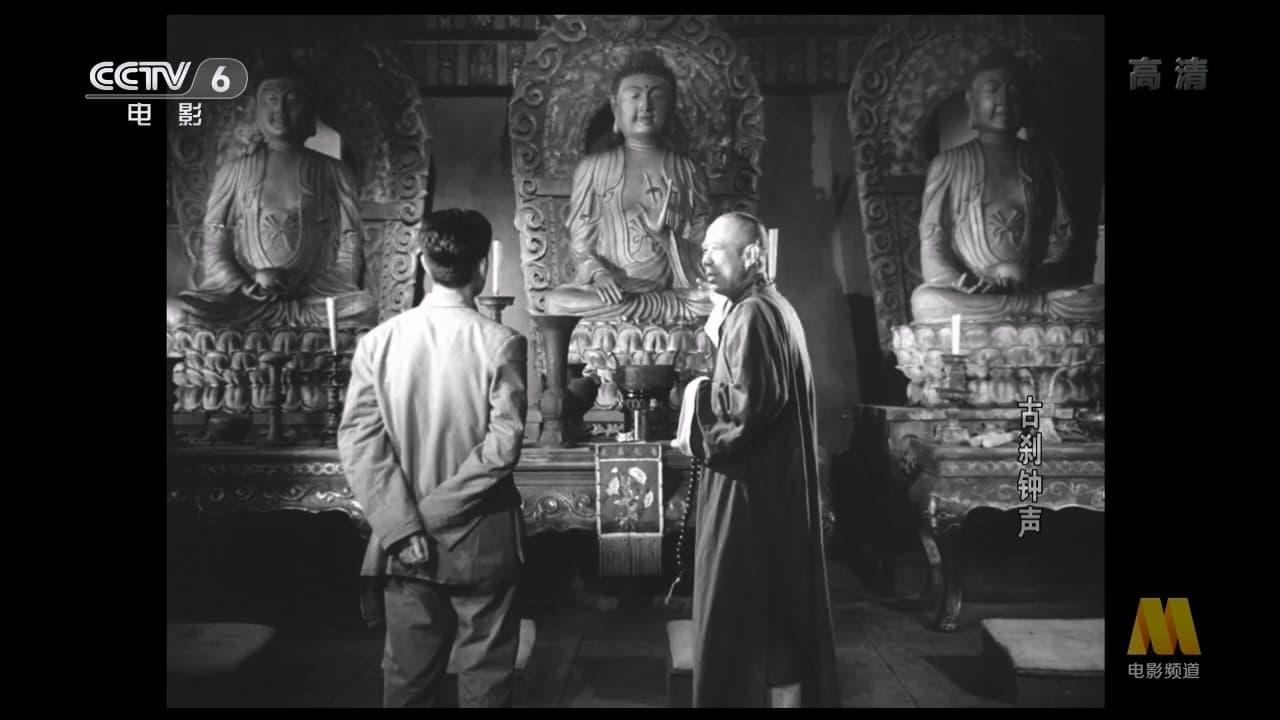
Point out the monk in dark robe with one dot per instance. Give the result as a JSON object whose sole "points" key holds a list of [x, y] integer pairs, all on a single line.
{"points": [[763, 634]]}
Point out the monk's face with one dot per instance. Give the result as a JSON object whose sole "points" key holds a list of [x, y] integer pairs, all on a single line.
{"points": [[643, 106], [284, 109], [995, 102], [729, 257]]}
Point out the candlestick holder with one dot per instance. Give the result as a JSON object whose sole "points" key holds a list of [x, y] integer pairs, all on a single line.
{"points": [[954, 390], [337, 379], [554, 332], [644, 389], [493, 305], [1045, 381]]}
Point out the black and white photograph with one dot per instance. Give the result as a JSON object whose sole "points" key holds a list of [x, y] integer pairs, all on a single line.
{"points": [[597, 361]]}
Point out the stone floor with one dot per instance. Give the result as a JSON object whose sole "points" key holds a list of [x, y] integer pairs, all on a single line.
{"points": [[595, 654]]}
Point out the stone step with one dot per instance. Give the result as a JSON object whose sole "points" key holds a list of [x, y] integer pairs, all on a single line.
{"points": [[208, 649], [1045, 662], [680, 663], [208, 664], [995, 571]]}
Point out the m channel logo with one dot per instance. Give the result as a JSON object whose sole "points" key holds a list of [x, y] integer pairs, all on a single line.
{"points": [[1163, 628]]}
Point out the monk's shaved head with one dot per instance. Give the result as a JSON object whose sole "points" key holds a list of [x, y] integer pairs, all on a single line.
{"points": [[739, 229], [733, 251]]}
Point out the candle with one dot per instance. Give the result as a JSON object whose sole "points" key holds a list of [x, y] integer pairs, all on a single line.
{"points": [[497, 264], [333, 323], [955, 334]]}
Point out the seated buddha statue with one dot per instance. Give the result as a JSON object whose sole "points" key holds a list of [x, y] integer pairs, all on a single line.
{"points": [[282, 228], [995, 228], [637, 213]]}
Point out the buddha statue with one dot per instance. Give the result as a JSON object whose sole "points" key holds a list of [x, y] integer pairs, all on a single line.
{"points": [[282, 228], [637, 213], [995, 230]]}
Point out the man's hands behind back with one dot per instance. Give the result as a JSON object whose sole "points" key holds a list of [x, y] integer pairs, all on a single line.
{"points": [[412, 550]]}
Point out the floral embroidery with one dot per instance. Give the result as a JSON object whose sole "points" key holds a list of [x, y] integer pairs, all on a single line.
{"points": [[629, 494]]}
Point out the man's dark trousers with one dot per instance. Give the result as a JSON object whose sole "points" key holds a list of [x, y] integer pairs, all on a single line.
{"points": [[423, 619]]}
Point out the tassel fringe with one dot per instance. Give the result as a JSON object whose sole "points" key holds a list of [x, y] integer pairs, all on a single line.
{"points": [[630, 555]]}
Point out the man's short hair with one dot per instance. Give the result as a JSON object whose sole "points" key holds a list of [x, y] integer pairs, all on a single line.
{"points": [[454, 243], [644, 62]]}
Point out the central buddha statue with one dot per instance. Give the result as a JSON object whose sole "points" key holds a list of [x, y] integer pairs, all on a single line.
{"points": [[637, 213], [995, 230], [282, 229]]}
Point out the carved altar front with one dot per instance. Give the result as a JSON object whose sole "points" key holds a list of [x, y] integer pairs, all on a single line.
{"points": [[919, 479], [560, 110], [557, 486]]}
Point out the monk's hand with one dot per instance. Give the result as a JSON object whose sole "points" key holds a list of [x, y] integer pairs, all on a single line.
{"points": [[414, 550], [607, 289]]}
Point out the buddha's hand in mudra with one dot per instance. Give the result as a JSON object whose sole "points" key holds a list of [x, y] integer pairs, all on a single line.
{"points": [[607, 288], [656, 225], [255, 292], [975, 285], [1009, 275], [268, 284]]}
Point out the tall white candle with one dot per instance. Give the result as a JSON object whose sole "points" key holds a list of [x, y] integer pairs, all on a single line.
{"points": [[333, 323], [955, 334], [497, 264]]}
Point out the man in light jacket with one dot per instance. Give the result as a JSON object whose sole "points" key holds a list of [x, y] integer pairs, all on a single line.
{"points": [[430, 435]]}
